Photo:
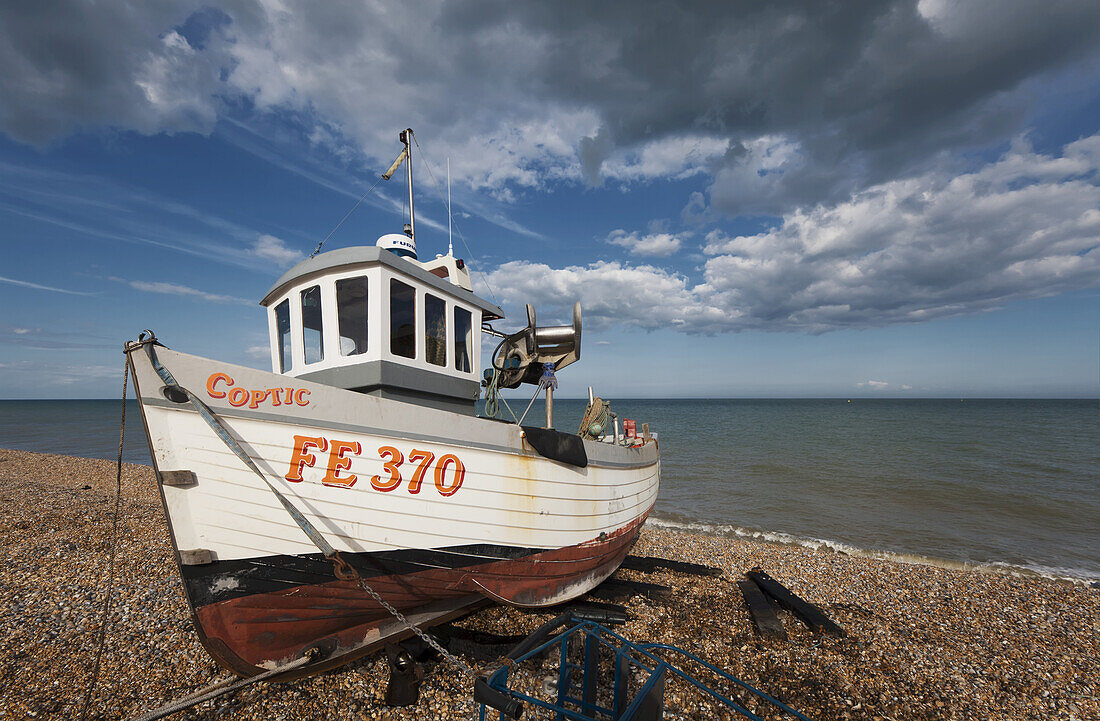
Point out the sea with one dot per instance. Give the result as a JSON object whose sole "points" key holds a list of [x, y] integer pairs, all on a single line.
{"points": [[1005, 486]]}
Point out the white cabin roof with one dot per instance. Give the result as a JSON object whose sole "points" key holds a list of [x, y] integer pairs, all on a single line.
{"points": [[346, 258]]}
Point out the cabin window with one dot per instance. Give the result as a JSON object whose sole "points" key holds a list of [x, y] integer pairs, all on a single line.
{"points": [[463, 339], [351, 307], [402, 319], [311, 324], [282, 328], [435, 330]]}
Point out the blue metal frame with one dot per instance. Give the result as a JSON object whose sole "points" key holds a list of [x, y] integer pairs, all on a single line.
{"points": [[627, 655]]}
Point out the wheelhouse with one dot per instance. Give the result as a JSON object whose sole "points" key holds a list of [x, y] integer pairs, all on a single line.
{"points": [[380, 322]]}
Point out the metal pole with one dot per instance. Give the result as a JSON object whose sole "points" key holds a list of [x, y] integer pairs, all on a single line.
{"points": [[549, 406], [450, 242], [406, 138]]}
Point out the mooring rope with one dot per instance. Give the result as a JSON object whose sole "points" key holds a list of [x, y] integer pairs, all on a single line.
{"points": [[217, 689], [114, 547]]}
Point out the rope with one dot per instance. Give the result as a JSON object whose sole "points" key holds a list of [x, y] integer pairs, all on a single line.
{"points": [[598, 411], [353, 209], [221, 683], [461, 237], [114, 547], [492, 396], [217, 689]]}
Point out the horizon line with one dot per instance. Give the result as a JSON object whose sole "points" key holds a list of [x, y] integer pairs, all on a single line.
{"points": [[729, 398]]}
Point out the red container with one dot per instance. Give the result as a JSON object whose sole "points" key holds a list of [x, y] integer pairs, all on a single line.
{"points": [[630, 428]]}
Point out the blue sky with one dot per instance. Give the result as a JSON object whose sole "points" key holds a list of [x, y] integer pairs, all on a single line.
{"points": [[895, 199]]}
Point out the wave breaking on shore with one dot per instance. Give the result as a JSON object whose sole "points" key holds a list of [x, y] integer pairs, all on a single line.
{"points": [[1003, 568]]}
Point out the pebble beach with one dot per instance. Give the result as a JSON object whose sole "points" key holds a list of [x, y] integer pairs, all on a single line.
{"points": [[922, 642]]}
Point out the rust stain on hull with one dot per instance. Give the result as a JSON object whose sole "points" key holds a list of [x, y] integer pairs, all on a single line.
{"points": [[245, 634]]}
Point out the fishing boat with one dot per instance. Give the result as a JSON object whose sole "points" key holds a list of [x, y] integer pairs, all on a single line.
{"points": [[330, 506]]}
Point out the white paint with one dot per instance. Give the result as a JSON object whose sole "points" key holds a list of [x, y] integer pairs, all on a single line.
{"points": [[510, 496]]}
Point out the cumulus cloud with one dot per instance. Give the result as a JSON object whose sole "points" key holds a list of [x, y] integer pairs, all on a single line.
{"points": [[186, 291], [523, 95], [658, 244], [933, 246], [757, 176], [927, 247], [610, 293], [274, 249], [675, 157], [74, 65]]}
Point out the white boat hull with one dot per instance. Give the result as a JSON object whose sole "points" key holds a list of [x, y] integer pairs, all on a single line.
{"points": [[437, 511]]}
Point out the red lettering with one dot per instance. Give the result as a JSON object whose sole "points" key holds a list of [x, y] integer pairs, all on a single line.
{"points": [[390, 466], [424, 459], [302, 457], [240, 396], [337, 463], [212, 381], [441, 471], [341, 453]]}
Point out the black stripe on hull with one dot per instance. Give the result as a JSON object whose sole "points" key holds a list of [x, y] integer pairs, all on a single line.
{"points": [[226, 580]]}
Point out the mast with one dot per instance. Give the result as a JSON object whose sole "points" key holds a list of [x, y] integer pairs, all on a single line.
{"points": [[450, 242], [406, 137]]}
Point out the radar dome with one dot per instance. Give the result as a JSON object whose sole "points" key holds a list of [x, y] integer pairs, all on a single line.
{"points": [[399, 244]]}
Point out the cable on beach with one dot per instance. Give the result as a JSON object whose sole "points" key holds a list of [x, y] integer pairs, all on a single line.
{"points": [[114, 548]]}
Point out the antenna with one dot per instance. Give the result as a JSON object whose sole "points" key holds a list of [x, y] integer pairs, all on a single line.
{"points": [[450, 243]]}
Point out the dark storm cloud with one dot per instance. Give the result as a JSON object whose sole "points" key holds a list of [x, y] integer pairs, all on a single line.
{"points": [[864, 90], [71, 64], [877, 132], [815, 99]]}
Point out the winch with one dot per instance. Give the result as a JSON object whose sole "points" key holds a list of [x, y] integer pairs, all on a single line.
{"points": [[521, 356]]}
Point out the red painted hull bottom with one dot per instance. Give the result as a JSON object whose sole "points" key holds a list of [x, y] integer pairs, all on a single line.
{"points": [[246, 634]]}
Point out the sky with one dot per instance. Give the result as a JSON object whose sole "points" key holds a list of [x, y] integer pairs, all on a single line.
{"points": [[854, 199]]}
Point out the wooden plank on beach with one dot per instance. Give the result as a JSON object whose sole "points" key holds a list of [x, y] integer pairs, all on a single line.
{"points": [[649, 564], [762, 611], [614, 589], [810, 614], [608, 614]]}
